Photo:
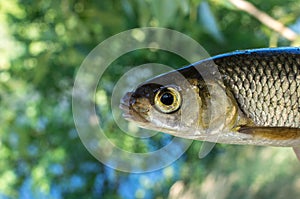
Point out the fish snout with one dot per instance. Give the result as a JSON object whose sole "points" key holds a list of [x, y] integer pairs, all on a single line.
{"points": [[125, 101]]}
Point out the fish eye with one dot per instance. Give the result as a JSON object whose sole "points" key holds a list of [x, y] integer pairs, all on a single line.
{"points": [[167, 100]]}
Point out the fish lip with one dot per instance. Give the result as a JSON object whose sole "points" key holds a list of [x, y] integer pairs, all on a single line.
{"points": [[125, 105], [126, 111]]}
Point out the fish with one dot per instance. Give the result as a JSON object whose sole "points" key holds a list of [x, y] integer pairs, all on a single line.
{"points": [[247, 97]]}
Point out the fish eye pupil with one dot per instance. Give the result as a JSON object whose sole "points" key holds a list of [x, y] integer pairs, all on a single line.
{"points": [[167, 99]]}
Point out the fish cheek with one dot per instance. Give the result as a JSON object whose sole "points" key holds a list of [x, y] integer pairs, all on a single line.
{"points": [[192, 113], [169, 121]]}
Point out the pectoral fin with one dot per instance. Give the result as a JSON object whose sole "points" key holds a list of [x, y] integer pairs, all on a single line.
{"points": [[272, 133], [205, 149], [297, 152]]}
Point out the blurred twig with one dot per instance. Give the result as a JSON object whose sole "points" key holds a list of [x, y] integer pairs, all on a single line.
{"points": [[265, 19]]}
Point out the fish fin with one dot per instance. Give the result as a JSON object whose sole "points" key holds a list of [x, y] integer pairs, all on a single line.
{"points": [[272, 133], [205, 149], [297, 152]]}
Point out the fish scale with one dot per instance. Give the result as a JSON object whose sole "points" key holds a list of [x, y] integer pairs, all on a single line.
{"points": [[265, 84]]}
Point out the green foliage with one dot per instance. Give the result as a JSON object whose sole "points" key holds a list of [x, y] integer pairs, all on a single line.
{"points": [[42, 46]]}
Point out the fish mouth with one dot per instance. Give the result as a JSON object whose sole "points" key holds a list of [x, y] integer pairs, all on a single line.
{"points": [[129, 113], [124, 105]]}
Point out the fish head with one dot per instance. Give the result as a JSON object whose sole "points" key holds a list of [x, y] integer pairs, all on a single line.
{"points": [[182, 104], [167, 103]]}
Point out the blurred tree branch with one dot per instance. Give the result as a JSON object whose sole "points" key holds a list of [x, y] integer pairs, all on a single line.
{"points": [[265, 19]]}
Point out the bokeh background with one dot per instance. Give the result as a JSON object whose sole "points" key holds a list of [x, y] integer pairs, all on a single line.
{"points": [[43, 43]]}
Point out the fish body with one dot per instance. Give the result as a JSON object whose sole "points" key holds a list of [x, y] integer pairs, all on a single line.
{"points": [[243, 97]]}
